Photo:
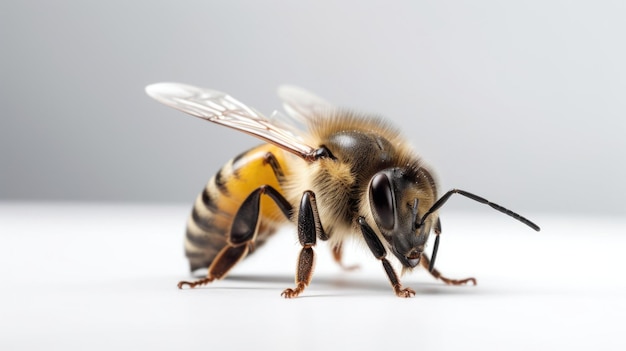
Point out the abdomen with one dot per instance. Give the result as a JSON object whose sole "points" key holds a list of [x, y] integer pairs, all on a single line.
{"points": [[212, 214]]}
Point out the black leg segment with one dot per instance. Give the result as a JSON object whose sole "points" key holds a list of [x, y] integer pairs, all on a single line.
{"points": [[307, 231], [436, 247], [309, 228], [377, 248], [246, 219], [372, 240]]}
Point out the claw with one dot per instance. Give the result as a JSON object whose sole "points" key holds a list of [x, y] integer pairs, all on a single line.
{"points": [[291, 293], [193, 284], [406, 292]]}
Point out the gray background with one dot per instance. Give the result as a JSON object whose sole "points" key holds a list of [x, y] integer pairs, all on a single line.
{"points": [[521, 102]]}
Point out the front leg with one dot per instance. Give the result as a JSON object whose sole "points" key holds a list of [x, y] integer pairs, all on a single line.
{"points": [[309, 228], [377, 248], [430, 264], [435, 273]]}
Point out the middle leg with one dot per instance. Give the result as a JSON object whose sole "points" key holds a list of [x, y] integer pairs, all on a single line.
{"points": [[338, 256], [309, 228]]}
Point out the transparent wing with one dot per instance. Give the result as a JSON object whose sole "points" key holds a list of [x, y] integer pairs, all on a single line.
{"points": [[221, 108], [303, 105]]}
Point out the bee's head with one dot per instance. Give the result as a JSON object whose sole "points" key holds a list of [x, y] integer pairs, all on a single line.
{"points": [[396, 198]]}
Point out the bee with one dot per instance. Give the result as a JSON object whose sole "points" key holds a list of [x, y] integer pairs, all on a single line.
{"points": [[332, 172]]}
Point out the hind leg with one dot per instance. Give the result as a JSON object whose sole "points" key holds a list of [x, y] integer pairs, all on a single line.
{"points": [[425, 261], [242, 234], [225, 260]]}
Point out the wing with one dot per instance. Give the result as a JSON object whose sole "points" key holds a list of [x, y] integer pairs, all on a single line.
{"points": [[221, 108], [302, 104]]}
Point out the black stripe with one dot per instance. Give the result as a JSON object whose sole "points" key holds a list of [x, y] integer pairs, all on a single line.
{"points": [[206, 224], [220, 181], [208, 201], [238, 158], [197, 240], [195, 254]]}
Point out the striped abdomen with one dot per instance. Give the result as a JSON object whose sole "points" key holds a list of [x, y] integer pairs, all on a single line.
{"points": [[212, 215]]}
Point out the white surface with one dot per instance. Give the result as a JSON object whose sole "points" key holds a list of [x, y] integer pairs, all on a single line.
{"points": [[86, 276]]}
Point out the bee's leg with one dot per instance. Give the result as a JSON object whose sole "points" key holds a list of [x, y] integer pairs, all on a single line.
{"points": [[242, 233], [338, 255], [425, 261], [225, 260], [309, 227], [379, 252], [430, 264]]}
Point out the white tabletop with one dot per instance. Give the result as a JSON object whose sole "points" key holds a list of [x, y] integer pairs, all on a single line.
{"points": [[103, 276]]}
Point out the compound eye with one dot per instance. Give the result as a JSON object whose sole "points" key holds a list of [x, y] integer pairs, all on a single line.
{"points": [[381, 199]]}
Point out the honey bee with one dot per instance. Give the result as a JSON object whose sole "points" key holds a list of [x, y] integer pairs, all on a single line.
{"points": [[347, 175]]}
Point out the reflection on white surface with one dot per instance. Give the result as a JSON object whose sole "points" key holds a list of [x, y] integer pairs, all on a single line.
{"points": [[104, 277]]}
